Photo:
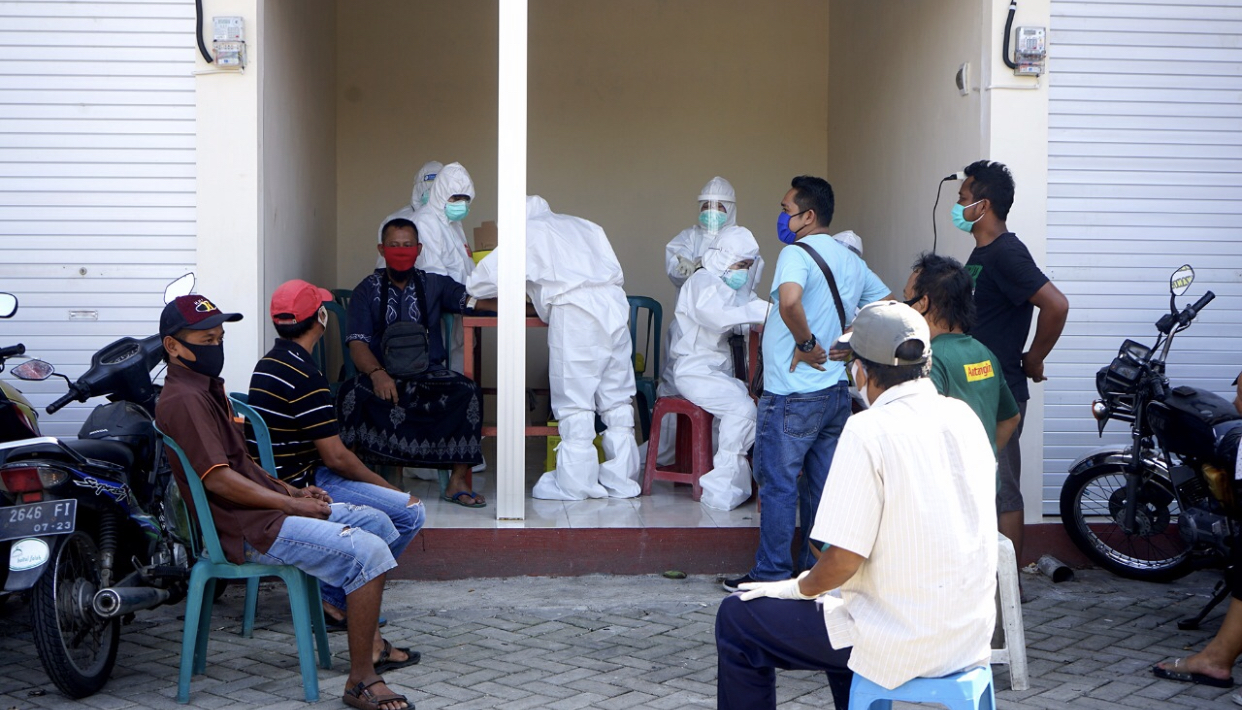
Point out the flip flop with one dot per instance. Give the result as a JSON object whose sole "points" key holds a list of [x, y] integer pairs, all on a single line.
{"points": [[456, 498], [385, 663], [1189, 677]]}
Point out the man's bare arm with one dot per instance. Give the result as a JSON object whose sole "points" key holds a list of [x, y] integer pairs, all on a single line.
{"points": [[1005, 430], [833, 568], [236, 488]]}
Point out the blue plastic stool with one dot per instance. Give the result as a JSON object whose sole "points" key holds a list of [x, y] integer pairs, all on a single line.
{"points": [[968, 690]]}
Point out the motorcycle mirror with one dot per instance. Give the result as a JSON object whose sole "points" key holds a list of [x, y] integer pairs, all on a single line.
{"points": [[183, 286], [8, 305], [33, 371], [1179, 282]]}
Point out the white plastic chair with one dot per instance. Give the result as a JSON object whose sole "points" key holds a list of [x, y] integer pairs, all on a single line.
{"points": [[1013, 654]]}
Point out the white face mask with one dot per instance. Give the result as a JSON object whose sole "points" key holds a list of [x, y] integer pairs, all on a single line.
{"points": [[857, 372], [323, 317]]}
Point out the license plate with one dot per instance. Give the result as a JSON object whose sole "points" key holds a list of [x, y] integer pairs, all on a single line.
{"points": [[52, 517]]}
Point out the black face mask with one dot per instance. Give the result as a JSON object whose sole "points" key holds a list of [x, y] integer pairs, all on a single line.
{"points": [[209, 358]]}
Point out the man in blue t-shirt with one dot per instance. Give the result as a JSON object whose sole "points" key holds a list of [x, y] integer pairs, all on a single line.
{"points": [[805, 398]]}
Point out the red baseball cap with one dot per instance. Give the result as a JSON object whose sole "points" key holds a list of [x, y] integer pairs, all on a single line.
{"points": [[295, 301], [192, 312]]}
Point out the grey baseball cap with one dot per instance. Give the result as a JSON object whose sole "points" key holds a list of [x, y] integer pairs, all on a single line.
{"points": [[881, 327]]}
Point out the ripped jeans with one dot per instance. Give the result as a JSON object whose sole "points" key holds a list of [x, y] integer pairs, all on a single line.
{"points": [[345, 551], [406, 519]]}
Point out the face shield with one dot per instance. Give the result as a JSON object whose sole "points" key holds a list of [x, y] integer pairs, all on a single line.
{"points": [[714, 215]]}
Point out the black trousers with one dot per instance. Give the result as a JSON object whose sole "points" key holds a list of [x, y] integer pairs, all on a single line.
{"points": [[755, 638]]}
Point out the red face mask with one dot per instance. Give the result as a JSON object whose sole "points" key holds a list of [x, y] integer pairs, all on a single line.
{"points": [[401, 258]]}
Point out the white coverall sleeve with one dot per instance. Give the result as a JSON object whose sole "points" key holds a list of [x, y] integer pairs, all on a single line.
{"points": [[710, 313], [482, 281], [677, 249]]}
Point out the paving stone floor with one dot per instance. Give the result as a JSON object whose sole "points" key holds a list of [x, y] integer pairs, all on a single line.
{"points": [[614, 643]]}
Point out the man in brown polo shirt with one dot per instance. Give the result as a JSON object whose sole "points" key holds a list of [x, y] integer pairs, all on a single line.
{"points": [[259, 518]]}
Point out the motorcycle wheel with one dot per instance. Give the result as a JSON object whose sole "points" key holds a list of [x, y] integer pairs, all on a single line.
{"points": [[1092, 510], [77, 648]]}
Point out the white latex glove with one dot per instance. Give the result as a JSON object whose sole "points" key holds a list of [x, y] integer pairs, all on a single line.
{"points": [[784, 589], [685, 267]]}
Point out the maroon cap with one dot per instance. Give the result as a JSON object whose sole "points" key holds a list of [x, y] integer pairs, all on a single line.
{"points": [[295, 301], [192, 312]]}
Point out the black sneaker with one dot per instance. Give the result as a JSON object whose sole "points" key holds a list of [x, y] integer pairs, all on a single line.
{"points": [[731, 584]]}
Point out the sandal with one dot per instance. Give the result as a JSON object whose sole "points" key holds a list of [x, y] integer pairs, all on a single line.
{"points": [[361, 697], [386, 663], [456, 498], [1189, 676]]}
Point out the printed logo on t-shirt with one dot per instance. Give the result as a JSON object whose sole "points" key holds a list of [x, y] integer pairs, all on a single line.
{"points": [[979, 371], [974, 270]]}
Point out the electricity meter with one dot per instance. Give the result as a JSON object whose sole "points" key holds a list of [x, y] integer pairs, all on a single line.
{"points": [[1031, 51], [229, 42]]}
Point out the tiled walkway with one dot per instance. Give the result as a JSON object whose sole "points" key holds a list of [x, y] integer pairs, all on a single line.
{"points": [[612, 643]]}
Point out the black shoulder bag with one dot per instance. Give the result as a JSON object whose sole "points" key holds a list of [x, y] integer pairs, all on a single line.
{"points": [[756, 385], [405, 347]]}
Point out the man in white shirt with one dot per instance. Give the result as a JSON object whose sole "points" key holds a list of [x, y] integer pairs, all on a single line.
{"points": [[909, 518]]}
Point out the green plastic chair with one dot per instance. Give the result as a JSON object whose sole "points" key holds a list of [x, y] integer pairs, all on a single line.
{"points": [[308, 623], [267, 461], [342, 296], [320, 352], [646, 386]]}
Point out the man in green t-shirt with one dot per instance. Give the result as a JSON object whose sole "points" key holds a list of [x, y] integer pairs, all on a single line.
{"points": [[962, 367]]}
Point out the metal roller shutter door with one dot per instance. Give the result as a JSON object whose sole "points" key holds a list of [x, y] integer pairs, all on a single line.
{"points": [[1145, 174], [96, 175]]}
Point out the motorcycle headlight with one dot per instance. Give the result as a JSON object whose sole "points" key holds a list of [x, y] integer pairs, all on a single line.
{"points": [[1099, 410]]}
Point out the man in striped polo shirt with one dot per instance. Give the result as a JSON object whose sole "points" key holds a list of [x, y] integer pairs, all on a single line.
{"points": [[293, 398]]}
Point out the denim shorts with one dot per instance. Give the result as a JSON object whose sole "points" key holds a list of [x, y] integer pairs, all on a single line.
{"points": [[340, 551]]}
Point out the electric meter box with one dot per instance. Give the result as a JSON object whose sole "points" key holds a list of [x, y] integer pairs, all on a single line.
{"points": [[1031, 49], [229, 42]]}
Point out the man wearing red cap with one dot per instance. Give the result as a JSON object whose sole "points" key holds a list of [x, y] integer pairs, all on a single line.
{"points": [[293, 397], [260, 518]]}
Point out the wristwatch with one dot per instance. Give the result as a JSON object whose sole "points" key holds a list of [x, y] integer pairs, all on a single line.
{"points": [[808, 346]]}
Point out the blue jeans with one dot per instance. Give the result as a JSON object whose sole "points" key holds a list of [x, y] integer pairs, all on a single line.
{"points": [[346, 551], [795, 432], [406, 519]]}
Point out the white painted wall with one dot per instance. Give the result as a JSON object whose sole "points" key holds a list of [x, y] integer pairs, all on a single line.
{"points": [[897, 124], [297, 82], [228, 154], [97, 176]]}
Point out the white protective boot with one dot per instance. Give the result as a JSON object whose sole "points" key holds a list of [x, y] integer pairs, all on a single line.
{"points": [[728, 484], [620, 471], [577, 463]]}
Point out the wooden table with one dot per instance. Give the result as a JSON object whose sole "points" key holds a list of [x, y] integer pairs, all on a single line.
{"points": [[473, 325]]}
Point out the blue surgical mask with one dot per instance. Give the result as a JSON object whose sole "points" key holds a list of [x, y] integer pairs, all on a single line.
{"points": [[735, 279], [456, 211], [783, 232], [712, 220], [959, 216]]}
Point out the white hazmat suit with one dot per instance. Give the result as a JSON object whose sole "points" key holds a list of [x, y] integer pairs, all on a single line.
{"points": [[708, 311], [575, 282], [443, 241], [418, 198]]}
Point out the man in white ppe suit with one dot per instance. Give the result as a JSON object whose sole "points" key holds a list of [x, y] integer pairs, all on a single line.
{"points": [[716, 299], [575, 282], [418, 198], [443, 241]]}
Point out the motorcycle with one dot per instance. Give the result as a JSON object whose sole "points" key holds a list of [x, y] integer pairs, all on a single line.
{"points": [[98, 527], [1154, 509]]}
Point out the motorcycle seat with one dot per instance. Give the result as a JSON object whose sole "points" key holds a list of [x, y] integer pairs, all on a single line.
{"points": [[112, 452]]}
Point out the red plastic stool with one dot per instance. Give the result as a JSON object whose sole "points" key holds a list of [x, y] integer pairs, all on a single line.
{"points": [[694, 445]]}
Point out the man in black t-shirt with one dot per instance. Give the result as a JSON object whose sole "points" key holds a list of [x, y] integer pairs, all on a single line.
{"points": [[1008, 288]]}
